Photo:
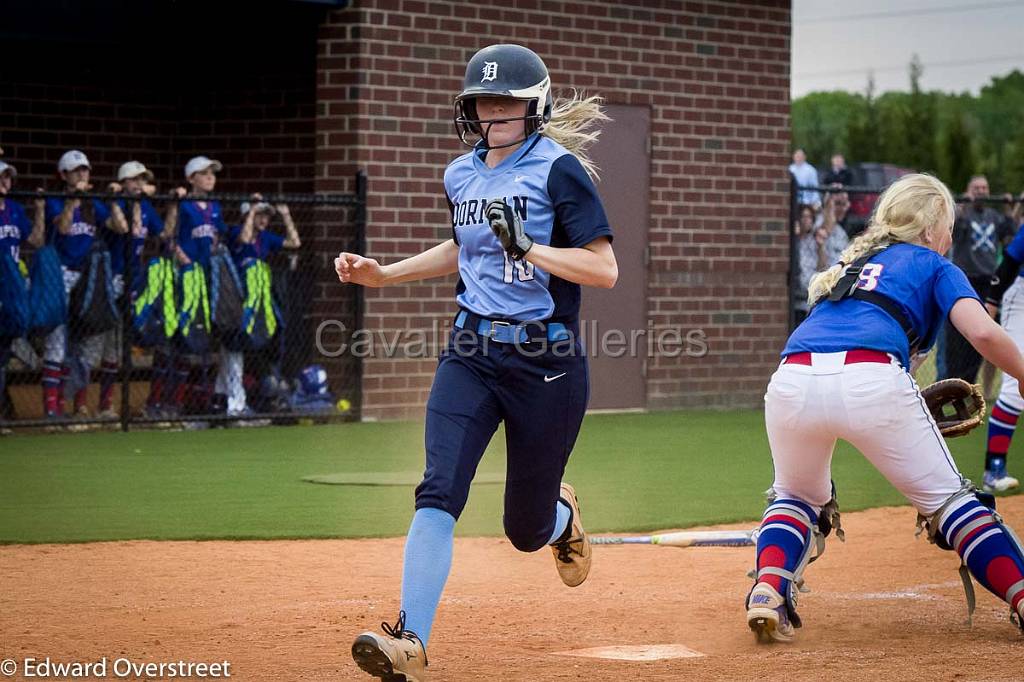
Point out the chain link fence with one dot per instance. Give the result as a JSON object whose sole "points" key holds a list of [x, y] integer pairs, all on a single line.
{"points": [[120, 310]]}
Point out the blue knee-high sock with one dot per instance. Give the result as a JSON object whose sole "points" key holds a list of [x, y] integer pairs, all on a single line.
{"points": [[970, 528], [428, 559], [562, 514], [786, 530]]}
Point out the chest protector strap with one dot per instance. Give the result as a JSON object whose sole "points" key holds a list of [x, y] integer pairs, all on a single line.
{"points": [[846, 287]]}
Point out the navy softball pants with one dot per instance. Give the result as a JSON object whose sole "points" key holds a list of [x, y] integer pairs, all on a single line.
{"points": [[480, 383]]}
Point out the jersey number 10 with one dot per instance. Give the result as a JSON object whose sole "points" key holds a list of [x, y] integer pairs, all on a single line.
{"points": [[523, 268]]}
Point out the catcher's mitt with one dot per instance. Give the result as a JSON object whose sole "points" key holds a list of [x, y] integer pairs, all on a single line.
{"points": [[956, 405]]}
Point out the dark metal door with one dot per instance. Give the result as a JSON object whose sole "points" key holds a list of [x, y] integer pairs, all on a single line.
{"points": [[623, 155]]}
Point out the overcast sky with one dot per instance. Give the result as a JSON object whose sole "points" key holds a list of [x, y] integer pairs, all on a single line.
{"points": [[962, 43]]}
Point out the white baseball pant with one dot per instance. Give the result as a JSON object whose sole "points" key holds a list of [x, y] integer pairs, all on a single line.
{"points": [[877, 408]]}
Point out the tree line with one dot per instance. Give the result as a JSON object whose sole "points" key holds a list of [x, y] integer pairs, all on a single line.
{"points": [[953, 136]]}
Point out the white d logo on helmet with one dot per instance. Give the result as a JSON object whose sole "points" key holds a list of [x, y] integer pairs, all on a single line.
{"points": [[490, 71]]}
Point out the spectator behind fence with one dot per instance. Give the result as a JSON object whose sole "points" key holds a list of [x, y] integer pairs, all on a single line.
{"points": [[200, 229], [810, 257], [252, 243], [838, 174], [15, 230], [978, 235], [831, 231], [72, 226], [134, 179], [806, 176], [818, 248], [841, 211]]}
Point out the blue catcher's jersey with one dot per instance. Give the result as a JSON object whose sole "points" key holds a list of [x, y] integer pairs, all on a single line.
{"points": [[549, 189], [14, 228], [925, 286], [74, 246]]}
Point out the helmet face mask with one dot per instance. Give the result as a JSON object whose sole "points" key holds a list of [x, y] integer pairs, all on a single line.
{"points": [[503, 71]]}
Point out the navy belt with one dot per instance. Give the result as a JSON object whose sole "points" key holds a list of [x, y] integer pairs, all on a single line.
{"points": [[510, 331]]}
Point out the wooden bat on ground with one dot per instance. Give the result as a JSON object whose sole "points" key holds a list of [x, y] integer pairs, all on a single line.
{"points": [[686, 538]]}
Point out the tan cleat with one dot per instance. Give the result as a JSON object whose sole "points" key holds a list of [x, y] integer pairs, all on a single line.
{"points": [[572, 555], [767, 615], [396, 656]]}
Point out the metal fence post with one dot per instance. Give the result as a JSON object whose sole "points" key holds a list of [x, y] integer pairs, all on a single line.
{"points": [[360, 248], [794, 259]]}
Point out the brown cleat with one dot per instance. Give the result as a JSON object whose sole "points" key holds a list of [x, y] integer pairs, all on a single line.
{"points": [[396, 656], [572, 556]]}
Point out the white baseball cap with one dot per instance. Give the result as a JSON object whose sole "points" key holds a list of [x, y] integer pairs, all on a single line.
{"points": [[5, 167], [71, 160], [201, 163], [258, 207], [133, 169]]}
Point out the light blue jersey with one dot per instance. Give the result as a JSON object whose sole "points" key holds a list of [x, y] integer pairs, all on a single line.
{"points": [[551, 192]]}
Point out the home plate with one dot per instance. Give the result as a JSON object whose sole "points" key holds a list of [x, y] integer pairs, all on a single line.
{"points": [[636, 652]]}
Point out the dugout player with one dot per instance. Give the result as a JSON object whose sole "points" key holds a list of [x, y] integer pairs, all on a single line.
{"points": [[135, 179], [844, 375], [72, 225], [199, 226], [15, 229], [528, 230]]}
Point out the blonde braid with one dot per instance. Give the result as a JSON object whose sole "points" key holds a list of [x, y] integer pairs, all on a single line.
{"points": [[904, 212]]}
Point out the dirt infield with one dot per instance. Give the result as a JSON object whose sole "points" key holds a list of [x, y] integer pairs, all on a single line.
{"points": [[883, 604]]}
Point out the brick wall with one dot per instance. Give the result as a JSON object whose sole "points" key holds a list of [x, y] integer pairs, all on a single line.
{"points": [[222, 86], [716, 77], [263, 134]]}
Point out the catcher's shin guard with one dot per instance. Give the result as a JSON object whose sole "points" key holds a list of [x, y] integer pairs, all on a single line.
{"points": [[988, 549], [788, 531]]}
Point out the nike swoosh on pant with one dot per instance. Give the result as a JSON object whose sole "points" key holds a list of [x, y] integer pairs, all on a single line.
{"points": [[548, 380]]}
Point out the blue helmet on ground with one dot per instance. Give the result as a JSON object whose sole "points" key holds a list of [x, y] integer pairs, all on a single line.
{"points": [[313, 381]]}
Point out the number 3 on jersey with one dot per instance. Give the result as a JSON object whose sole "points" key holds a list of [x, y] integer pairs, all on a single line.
{"points": [[523, 268], [869, 275]]}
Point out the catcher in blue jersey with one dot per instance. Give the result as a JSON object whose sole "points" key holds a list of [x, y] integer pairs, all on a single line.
{"points": [[845, 373], [528, 229]]}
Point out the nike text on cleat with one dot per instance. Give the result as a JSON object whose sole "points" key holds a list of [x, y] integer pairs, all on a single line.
{"points": [[767, 616]]}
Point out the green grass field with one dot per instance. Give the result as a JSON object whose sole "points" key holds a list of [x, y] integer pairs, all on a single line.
{"points": [[633, 472]]}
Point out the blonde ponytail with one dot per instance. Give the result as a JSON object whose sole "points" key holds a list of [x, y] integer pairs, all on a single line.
{"points": [[571, 126], [903, 213]]}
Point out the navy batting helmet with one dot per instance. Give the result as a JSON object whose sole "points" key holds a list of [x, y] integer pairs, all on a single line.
{"points": [[504, 71]]}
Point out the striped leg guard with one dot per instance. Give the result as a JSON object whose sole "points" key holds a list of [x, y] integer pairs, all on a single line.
{"points": [[784, 548], [988, 548]]}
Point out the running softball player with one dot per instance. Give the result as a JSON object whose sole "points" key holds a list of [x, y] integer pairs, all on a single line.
{"points": [[528, 230], [1006, 292], [843, 375]]}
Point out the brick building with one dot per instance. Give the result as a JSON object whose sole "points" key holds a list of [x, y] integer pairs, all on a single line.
{"points": [[301, 95]]}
